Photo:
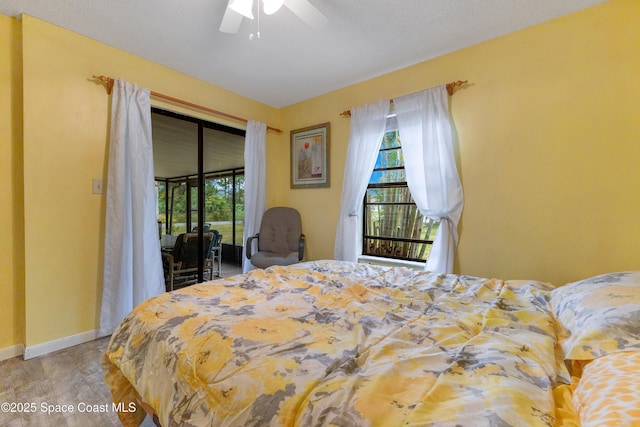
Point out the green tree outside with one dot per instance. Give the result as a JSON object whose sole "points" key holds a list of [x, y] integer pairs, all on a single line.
{"points": [[218, 205]]}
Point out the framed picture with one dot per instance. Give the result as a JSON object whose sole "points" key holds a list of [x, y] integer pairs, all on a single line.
{"points": [[310, 156]]}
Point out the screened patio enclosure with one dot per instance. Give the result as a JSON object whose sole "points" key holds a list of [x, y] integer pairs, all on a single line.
{"points": [[199, 170]]}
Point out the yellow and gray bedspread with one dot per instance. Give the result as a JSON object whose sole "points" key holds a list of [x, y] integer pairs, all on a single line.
{"points": [[330, 343]]}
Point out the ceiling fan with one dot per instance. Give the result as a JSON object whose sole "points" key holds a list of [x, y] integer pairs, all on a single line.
{"points": [[237, 9]]}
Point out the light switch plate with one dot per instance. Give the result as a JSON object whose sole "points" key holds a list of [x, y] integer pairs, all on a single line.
{"points": [[97, 186]]}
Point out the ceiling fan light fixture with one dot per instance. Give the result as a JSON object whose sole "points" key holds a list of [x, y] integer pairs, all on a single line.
{"points": [[271, 6], [243, 7]]}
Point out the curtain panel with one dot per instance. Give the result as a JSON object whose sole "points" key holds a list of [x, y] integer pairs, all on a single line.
{"points": [[255, 177], [365, 136], [432, 176], [132, 260]]}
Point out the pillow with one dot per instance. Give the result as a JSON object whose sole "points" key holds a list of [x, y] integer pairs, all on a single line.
{"points": [[607, 393], [600, 315]]}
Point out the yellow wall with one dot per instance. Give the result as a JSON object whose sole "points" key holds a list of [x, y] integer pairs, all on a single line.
{"points": [[549, 147], [65, 147], [11, 245], [548, 135]]}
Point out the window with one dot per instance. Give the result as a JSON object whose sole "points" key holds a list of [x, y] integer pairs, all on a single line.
{"points": [[393, 225], [223, 204]]}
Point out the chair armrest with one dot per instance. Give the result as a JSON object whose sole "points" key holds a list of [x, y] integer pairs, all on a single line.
{"points": [[167, 266], [248, 245], [301, 243], [167, 257]]}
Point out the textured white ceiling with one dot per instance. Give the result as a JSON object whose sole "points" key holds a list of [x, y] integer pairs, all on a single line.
{"points": [[292, 62]]}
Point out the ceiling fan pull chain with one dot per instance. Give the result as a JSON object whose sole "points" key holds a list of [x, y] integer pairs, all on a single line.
{"points": [[257, 32]]}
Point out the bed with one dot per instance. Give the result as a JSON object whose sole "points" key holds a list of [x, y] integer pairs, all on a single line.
{"points": [[330, 343]]}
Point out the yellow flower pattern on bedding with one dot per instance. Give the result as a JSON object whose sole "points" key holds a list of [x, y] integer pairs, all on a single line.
{"points": [[329, 343]]}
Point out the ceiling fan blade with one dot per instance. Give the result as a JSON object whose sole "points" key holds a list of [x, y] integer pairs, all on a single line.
{"points": [[230, 21], [307, 12]]}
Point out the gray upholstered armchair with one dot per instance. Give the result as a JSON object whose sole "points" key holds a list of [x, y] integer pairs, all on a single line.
{"points": [[280, 240]]}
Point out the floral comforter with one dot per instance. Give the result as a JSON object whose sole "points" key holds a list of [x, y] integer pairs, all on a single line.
{"points": [[330, 343]]}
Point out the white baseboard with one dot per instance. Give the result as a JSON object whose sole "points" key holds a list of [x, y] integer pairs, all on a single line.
{"points": [[60, 344], [11, 352]]}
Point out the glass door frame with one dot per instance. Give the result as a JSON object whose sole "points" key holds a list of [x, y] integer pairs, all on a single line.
{"points": [[200, 180]]}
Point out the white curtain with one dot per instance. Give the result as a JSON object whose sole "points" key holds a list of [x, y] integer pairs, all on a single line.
{"points": [[432, 176], [132, 260], [365, 136], [255, 177]]}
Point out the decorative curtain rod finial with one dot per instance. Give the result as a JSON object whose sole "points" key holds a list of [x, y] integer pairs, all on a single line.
{"points": [[452, 86], [107, 81]]}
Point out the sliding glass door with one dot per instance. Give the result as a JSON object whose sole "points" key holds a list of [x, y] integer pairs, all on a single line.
{"points": [[199, 169]]}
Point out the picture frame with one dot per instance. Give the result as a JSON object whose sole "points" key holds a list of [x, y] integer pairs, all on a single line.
{"points": [[310, 156]]}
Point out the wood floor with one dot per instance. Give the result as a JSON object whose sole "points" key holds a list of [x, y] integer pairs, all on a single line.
{"points": [[69, 379]]}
